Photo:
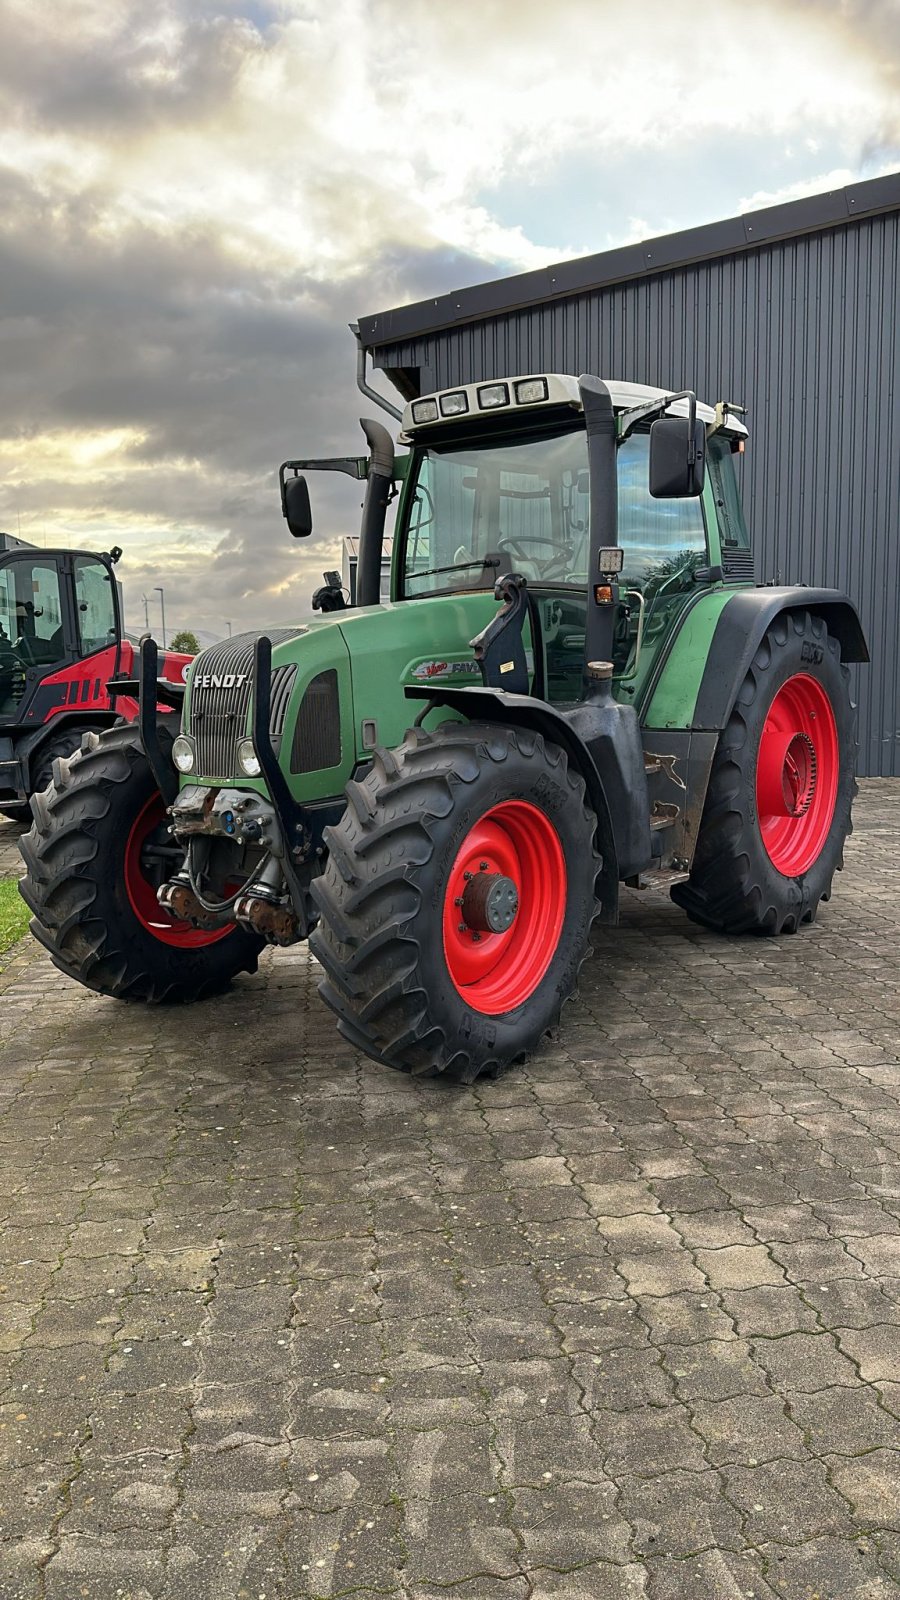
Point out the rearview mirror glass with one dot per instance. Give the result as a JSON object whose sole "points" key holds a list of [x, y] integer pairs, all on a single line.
{"points": [[673, 475], [296, 507]]}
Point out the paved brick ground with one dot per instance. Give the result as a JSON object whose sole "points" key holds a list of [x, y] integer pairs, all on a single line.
{"points": [[10, 860], [625, 1324]]}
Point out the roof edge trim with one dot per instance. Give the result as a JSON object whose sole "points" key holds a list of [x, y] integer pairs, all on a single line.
{"points": [[752, 230]]}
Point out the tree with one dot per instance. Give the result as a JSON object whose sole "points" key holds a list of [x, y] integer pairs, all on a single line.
{"points": [[186, 642]]}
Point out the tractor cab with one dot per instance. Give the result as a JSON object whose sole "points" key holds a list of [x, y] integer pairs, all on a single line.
{"points": [[57, 608], [499, 483]]}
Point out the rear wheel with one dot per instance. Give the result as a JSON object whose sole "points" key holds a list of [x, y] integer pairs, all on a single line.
{"points": [[780, 793], [457, 899], [97, 851]]}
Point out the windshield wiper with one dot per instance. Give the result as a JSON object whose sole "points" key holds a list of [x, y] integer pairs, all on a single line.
{"points": [[456, 566]]}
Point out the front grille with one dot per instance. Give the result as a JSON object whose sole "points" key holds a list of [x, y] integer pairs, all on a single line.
{"points": [[737, 565], [218, 715], [317, 736]]}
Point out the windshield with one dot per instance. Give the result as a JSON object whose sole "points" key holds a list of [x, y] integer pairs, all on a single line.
{"points": [[524, 506], [481, 509]]}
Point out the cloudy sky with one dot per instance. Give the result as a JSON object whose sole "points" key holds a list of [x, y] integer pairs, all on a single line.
{"points": [[197, 197]]}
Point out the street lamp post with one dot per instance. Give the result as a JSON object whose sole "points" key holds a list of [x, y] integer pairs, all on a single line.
{"points": [[158, 589], [228, 626]]}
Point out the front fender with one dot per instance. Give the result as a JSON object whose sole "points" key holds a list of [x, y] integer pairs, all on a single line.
{"points": [[524, 711]]}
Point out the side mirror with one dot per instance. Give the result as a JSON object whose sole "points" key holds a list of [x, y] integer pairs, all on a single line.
{"points": [[677, 458], [296, 507]]}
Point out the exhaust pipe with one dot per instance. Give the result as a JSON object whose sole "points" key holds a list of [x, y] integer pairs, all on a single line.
{"points": [[379, 493]]}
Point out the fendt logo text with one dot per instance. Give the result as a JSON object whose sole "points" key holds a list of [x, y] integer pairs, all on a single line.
{"points": [[221, 680]]}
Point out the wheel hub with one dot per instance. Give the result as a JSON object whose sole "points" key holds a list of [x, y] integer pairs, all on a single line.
{"points": [[504, 907], [798, 777], [489, 902]]}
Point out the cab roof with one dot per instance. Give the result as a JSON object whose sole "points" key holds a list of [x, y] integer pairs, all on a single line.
{"points": [[560, 389]]}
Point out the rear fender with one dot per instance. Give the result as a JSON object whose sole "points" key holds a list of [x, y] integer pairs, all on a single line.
{"points": [[524, 711], [741, 628], [713, 645]]}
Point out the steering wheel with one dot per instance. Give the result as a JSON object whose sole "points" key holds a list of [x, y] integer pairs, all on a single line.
{"points": [[559, 559]]}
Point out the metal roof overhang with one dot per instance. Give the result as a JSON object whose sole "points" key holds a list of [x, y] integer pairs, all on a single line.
{"points": [[836, 208]]}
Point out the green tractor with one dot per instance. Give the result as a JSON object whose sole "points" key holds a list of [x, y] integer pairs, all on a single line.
{"points": [[574, 684]]}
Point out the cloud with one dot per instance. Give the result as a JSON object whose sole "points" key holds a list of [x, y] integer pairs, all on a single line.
{"points": [[198, 196]]}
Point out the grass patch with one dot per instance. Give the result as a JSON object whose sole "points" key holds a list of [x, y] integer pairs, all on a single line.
{"points": [[14, 914]]}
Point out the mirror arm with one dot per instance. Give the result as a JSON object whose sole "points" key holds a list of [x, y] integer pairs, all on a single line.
{"points": [[629, 420], [354, 466]]}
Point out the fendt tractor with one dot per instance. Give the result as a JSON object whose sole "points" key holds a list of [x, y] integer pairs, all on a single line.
{"points": [[574, 684], [61, 652]]}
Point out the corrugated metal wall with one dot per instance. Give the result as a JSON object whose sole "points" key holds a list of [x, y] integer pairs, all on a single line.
{"points": [[805, 334]]}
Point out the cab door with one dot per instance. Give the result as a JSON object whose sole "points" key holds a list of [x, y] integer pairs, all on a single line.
{"points": [[666, 550], [666, 553], [35, 628]]}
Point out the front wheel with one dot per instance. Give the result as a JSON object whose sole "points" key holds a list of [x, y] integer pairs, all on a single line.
{"points": [[457, 899], [778, 805], [97, 852]]}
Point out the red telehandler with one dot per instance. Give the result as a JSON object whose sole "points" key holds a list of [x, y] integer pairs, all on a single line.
{"points": [[61, 645]]}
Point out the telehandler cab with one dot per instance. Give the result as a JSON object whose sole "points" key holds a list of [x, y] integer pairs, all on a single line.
{"points": [[61, 646], [443, 795]]}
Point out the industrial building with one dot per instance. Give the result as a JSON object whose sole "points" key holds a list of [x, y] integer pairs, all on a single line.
{"points": [[791, 311]]}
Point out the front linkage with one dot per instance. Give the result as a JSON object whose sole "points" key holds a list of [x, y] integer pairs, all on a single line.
{"points": [[273, 902]]}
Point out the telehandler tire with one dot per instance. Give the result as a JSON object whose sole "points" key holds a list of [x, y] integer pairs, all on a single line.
{"points": [[95, 856], [457, 899], [778, 805], [64, 743]]}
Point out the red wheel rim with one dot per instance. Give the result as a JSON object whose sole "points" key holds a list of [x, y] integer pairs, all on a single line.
{"points": [[142, 892], [513, 843], [797, 772]]}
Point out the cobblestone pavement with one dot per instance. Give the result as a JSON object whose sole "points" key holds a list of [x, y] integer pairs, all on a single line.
{"points": [[625, 1324], [10, 860]]}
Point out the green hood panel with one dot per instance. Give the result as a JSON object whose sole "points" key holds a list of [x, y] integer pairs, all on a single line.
{"points": [[375, 652]]}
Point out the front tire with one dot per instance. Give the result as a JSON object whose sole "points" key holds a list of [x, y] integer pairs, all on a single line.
{"points": [[93, 857], [457, 900], [782, 785]]}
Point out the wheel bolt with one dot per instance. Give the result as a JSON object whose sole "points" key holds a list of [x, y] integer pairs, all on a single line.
{"points": [[476, 938], [482, 866], [461, 928], [458, 900], [467, 876]]}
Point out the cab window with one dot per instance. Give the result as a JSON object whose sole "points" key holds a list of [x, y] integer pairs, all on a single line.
{"points": [[95, 604], [31, 614], [661, 538], [721, 467]]}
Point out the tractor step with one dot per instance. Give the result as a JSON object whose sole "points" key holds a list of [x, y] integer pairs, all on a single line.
{"points": [[658, 878], [663, 815]]}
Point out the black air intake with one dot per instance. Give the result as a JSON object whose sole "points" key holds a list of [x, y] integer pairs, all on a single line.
{"points": [[221, 691], [737, 565], [317, 736]]}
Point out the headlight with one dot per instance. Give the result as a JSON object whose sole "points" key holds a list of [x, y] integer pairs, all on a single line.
{"points": [[425, 411], [493, 394], [183, 754], [248, 760], [531, 390], [455, 404]]}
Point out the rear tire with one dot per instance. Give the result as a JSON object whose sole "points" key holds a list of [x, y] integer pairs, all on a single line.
{"points": [[409, 982], [781, 789], [92, 905]]}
